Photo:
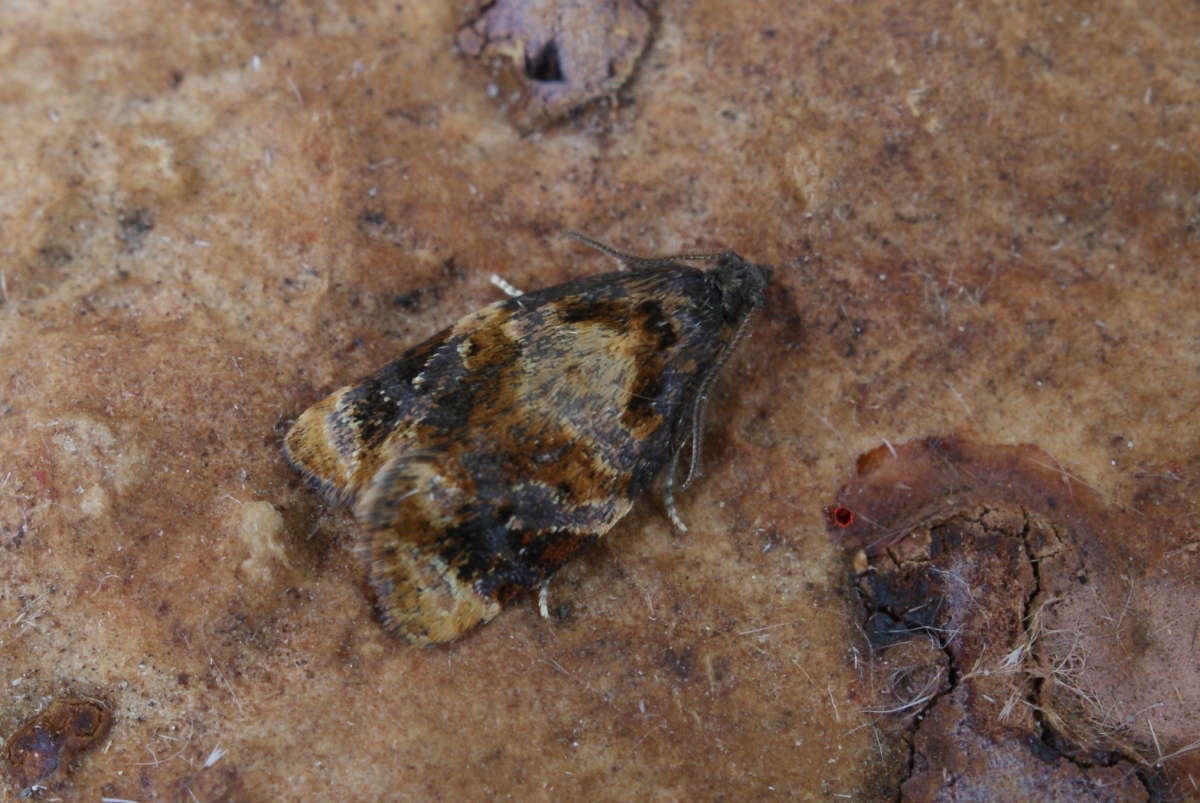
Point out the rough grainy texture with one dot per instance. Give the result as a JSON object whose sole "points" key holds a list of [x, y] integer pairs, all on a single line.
{"points": [[984, 220]]}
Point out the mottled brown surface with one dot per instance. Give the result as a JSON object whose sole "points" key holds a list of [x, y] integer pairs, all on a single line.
{"points": [[984, 220]]}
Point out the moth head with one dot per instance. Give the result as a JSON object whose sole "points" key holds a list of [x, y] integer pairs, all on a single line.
{"points": [[743, 284]]}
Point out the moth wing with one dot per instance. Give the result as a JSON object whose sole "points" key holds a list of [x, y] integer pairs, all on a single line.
{"points": [[442, 560], [337, 444], [482, 460], [420, 595], [325, 444]]}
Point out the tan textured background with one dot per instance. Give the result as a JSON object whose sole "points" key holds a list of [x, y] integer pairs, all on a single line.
{"points": [[984, 220]]}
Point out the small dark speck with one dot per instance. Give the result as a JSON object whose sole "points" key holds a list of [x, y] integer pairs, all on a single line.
{"points": [[770, 33], [562, 612], [679, 662], [410, 300], [54, 255], [374, 218], [134, 226], [1041, 750]]}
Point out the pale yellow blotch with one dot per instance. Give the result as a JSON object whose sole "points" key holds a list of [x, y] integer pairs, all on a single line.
{"points": [[260, 526], [805, 168], [94, 502], [90, 449], [915, 100]]}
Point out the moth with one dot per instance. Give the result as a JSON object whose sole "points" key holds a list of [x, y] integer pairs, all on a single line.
{"points": [[482, 460]]}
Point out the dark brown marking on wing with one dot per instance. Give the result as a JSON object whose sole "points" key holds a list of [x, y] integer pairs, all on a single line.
{"points": [[563, 461], [654, 335], [333, 443], [596, 312], [501, 562], [471, 380], [380, 401]]}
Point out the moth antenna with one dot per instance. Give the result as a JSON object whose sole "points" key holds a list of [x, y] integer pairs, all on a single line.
{"points": [[701, 404], [632, 260]]}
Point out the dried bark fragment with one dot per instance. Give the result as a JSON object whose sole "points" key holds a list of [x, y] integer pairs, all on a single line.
{"points": [[50, 740], [550, 57], [1016, 647]]}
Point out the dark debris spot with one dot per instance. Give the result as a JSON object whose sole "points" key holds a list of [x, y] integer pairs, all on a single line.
{"points": [[545, 66], [547, 61], [55, 255], [680, 662], [54, 737], [417, 298], [133, 228]]}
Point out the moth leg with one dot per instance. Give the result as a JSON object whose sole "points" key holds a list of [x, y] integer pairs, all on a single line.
{"points": [[668, 492], [697, 434], [544, 598], [507, 287]]}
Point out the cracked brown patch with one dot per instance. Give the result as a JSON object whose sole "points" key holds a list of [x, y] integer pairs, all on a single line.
{"points": [[1020, 654], [547, 58], [50, 740]]}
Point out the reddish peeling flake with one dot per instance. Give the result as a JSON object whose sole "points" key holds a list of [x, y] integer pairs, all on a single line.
{"points": [[46, 743]]}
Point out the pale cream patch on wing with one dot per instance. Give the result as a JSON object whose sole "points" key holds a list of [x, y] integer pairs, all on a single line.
{"points": [[421, 599], [309, 446]]}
